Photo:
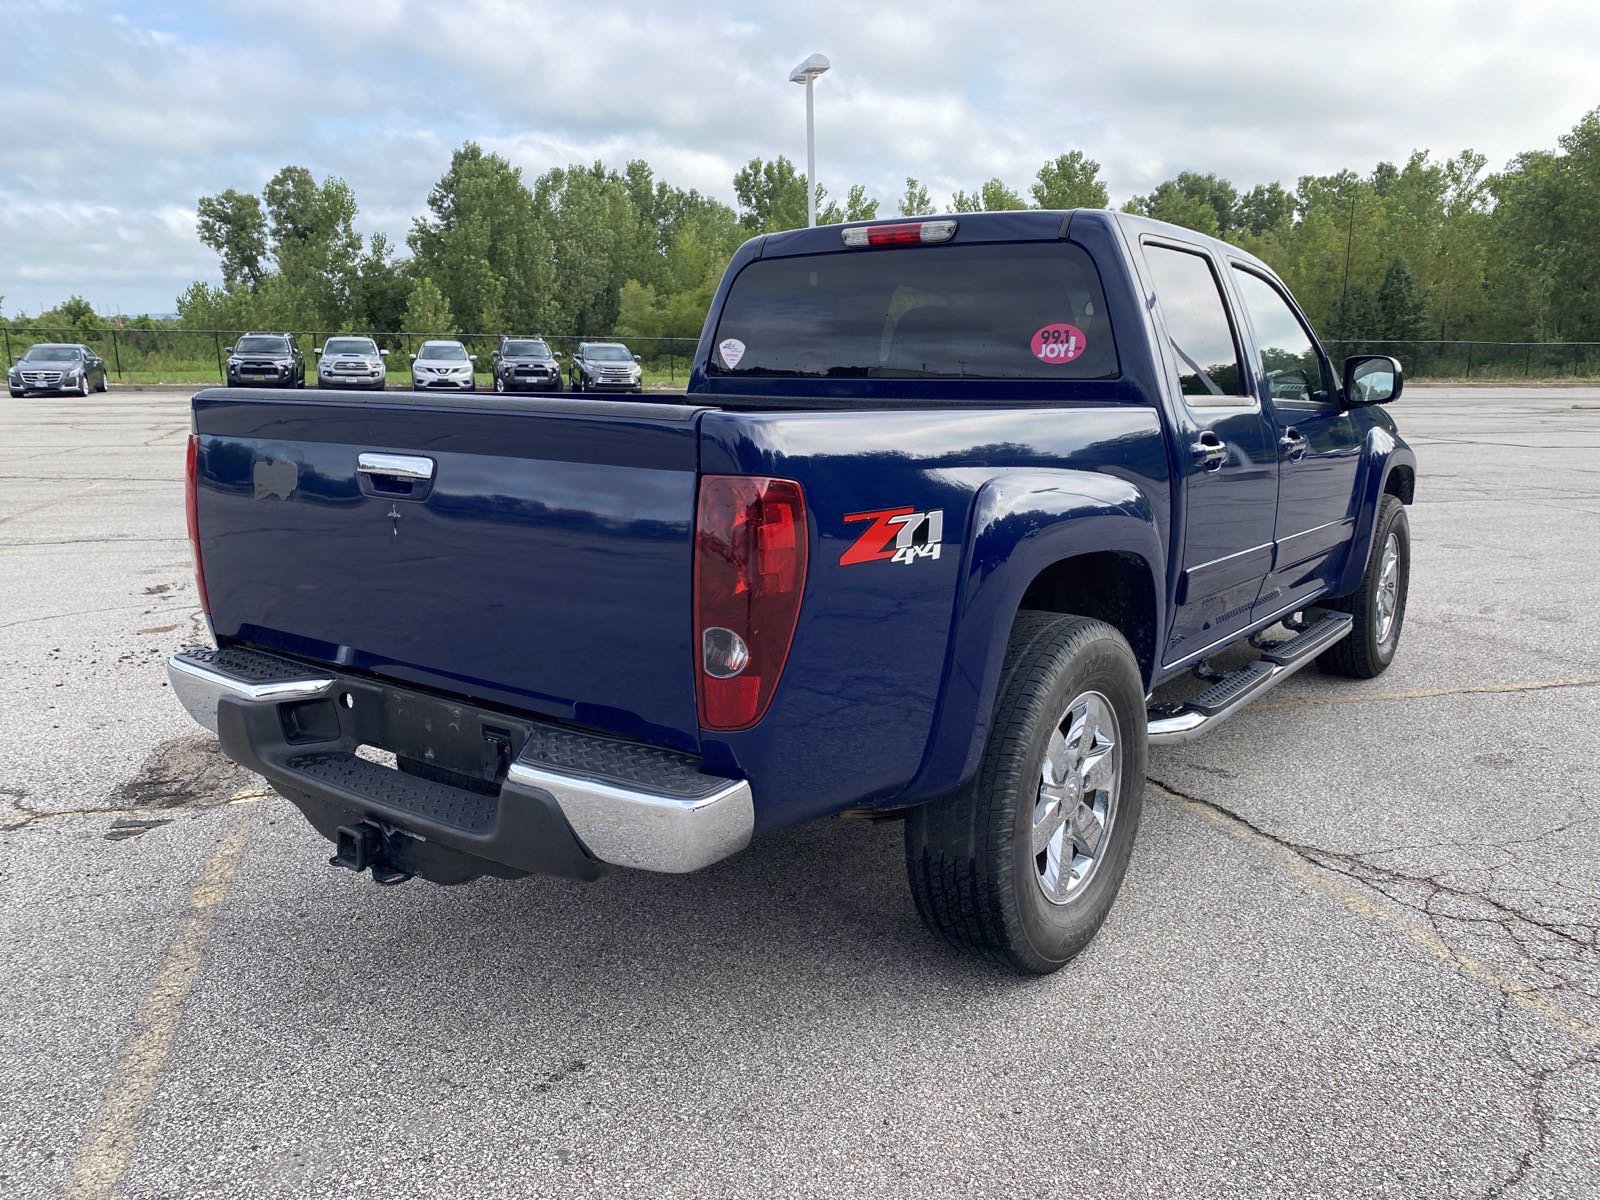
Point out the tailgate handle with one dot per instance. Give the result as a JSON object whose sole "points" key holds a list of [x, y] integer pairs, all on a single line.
{"points": [[396, 466]]}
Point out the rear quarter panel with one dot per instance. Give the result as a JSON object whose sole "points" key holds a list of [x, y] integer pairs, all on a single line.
{"points": [[880, 659]]}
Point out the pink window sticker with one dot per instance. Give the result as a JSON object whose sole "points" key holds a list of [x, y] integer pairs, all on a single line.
{"points": [[1058, 343]]}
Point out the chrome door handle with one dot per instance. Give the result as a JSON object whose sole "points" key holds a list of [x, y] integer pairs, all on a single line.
{"points": [[1293, 444], [395, 466], [1210, 451]]}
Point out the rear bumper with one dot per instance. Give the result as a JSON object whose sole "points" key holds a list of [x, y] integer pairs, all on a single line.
{"points": [[568, 802]]}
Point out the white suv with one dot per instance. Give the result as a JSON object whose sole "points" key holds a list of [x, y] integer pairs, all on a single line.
{"points": [[444, 365]]}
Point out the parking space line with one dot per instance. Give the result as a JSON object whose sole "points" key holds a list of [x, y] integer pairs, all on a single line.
{"points": [[1423, 936], [1471, 689], [107, 1151], [26, 512]]}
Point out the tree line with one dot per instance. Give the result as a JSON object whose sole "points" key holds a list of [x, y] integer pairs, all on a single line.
{"points": [[1426, 249]]}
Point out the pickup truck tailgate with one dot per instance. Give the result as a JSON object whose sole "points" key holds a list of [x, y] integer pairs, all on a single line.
{"points": [[534, 554]]}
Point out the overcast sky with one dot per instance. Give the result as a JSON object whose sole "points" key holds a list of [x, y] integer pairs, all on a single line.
{"points": [[118, 116]]}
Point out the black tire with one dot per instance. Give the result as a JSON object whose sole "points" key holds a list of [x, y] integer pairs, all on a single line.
{"points": [[16, 395], [83, 384], [974, 877], [105, 383], [1362, 655], [577, 383], [500, 384]]}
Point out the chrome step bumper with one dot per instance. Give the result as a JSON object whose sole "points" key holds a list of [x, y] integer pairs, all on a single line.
{"points": [[1170, 726], [628, 803]]}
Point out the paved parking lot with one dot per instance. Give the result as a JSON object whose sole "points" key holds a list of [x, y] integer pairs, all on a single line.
{"points": [[1357, 953]]}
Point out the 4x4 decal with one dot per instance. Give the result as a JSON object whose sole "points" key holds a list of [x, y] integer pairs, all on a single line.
{"points": [[901, 535]]}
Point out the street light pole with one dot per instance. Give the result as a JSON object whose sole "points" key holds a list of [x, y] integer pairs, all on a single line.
{"points": [[807, 73], [811, 157]]}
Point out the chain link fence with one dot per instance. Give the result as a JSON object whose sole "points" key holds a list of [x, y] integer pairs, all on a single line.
{"points": [[1483, 360], [198, 356]]}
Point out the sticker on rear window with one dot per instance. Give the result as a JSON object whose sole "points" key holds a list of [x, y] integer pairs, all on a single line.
{"points": [[1059, 343], [732, 350]]}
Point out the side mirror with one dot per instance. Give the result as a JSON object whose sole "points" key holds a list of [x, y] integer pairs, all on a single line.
{"points": [[316, 350], [473, 357], [413, 358], [636, 358], [555, 354], [1372, 379], [383, 353]]}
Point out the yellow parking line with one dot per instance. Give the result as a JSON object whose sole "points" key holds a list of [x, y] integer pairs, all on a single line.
{"points": [[108, 1149], [1470, 689], [1417, 933], [46, 504]]}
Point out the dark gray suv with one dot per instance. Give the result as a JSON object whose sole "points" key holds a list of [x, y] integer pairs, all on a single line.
{"points": [[606, 367], [266, 360], [525, 364]]}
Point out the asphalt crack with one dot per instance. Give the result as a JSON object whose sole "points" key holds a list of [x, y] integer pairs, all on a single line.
{"points": [[1560, 952]]}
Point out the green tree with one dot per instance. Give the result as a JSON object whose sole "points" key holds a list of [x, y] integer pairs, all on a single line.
{"points": [[1204, 203], [1402, 309], [858, 206], [427, 311], [486, 245], [992, 196], [233, 224], [1266, 209], [313, 239], [592, 227], [1070, 180], [772, 195], [915, 201], [381, 288]]}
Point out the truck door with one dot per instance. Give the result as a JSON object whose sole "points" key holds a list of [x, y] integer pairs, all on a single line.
{"points": [[1228, 457], [1318, 445]]}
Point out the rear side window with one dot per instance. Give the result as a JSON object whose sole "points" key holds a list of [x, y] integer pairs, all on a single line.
{"points": [[1197, 322], [1030, 310]]}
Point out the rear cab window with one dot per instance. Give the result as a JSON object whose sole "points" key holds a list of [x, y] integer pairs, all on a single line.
{"points": [[1026, 311]]}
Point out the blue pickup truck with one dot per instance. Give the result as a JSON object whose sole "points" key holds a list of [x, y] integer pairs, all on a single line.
{"points": [[946, 500]]}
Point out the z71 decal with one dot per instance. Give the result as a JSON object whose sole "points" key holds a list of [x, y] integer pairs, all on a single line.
{"points": [[901, 535]]}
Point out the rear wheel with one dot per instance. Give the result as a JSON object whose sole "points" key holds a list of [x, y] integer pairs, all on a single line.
{"points": [[1023, 864], [1378, 606]]}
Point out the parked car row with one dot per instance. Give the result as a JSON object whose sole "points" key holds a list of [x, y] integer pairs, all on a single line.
{"points": [[527, 364], [57, 367], [520, 364], [265, 359]]}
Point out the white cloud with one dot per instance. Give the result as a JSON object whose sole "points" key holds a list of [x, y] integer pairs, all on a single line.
{"points": [[103, 168]]}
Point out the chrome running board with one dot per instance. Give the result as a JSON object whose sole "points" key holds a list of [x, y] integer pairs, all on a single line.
{"points": [[1171, 724]]}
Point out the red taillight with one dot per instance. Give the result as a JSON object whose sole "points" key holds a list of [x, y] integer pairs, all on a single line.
{"points": [[903, 233], [191, 507], [749, 573]]}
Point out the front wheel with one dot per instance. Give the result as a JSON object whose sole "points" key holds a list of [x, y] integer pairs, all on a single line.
{"points": [[83, 384], [1023, 864], [1378, 606]]}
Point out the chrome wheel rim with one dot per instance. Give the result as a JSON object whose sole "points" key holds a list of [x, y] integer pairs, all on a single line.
{"points": [[1388, 587], [1079, 784]]}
